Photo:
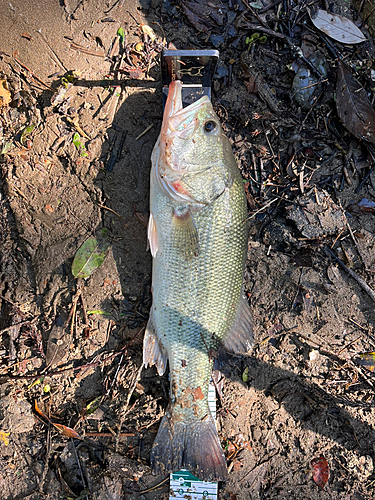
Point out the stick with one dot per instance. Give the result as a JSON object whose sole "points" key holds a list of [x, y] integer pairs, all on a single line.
{"points": [[34, 75], [144, 132], [110, 209], [263, 208], [370, 292]]}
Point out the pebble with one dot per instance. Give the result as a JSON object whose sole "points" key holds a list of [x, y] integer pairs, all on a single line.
{"points": [[221, 72], [216, 40]]}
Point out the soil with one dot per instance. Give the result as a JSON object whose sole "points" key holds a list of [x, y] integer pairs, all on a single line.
{"points": [[306, 390]]}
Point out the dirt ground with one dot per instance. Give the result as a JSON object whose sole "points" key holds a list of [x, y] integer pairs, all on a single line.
{"points": [[306, 390]]}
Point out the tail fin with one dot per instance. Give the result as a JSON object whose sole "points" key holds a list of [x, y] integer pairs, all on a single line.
{"points": [[193, 446]]}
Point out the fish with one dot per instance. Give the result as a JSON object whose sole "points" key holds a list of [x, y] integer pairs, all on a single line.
{"points": [[197, 234]]}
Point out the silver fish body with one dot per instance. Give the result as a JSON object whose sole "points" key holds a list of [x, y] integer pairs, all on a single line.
{"points": [[198, 238]]}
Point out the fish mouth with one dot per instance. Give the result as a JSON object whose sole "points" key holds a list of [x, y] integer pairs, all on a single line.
{"points": [[177, 120]]}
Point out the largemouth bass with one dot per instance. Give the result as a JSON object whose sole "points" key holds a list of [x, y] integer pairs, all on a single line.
{"points": [[198, 239]]}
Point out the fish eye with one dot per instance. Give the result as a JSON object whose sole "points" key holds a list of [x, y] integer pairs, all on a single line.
{"points": [[210, 126]]}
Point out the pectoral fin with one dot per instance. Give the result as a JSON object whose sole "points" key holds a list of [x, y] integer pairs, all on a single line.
{"points": [[240, 338], [153, 351], [152, 235], [185, 233]]}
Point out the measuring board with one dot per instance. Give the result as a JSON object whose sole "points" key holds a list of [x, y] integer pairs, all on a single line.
{"points": [[182, 483]]}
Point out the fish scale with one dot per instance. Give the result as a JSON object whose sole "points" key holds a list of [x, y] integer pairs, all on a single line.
{"points": [[198, 238]]}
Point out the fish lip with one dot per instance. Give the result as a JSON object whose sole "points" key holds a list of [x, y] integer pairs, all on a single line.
{"points": [[174, 99]]}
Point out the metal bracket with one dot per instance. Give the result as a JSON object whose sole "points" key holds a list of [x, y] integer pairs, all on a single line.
{"points": [[195, 68]]}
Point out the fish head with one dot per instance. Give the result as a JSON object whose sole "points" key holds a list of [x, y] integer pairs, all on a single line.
{"points": [[193, 154]]}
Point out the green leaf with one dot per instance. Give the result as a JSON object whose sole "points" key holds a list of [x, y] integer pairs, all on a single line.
{"points": [[36, 382], [77, 140], [26, 132], [94, 405], [121, 34], [6, 147], [91, 255], [98, 311], [79, 145]]}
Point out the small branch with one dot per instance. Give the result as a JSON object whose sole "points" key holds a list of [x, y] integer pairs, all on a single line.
{"points": [[33, 75], [370, 292]]}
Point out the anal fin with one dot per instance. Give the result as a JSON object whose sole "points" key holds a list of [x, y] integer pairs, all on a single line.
{"points": [[185, 233], [153, 351]]}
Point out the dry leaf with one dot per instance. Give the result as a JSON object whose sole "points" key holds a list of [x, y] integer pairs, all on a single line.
{"points": [[4, 437], [251, 85], [148, 31], [67, 431], [365, 206], [5, 95], [40, 411], [48, 208], [204, 15], [320, 471], [339, 28], [58, 342], [353, 107]]}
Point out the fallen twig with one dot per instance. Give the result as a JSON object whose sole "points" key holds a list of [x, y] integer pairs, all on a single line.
{"points": [[356, 245], [110, 209], [77, 126], [79, 48], [156, 486], [116, 152], [124, 410], [34, 75], [263, 208], [364, 180], [370, 292], [144, 132], [27, 322], [109, 434]]}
